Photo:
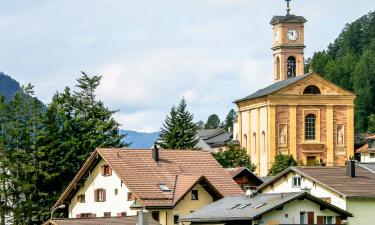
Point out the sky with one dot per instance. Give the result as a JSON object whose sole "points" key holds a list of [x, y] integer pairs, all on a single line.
{"points": [[151, 53]]}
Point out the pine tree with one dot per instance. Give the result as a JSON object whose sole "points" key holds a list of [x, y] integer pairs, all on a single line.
{"points": [[179, 131], [213, 122], [229, 119]]}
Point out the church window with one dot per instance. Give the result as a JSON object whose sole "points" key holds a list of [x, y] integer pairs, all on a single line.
{"points": [[311, 90], [277, 72], [310, 120], [264, 141], [291, 67], [245, 141], [255, 143]]}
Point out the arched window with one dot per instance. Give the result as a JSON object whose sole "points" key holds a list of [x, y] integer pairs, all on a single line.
{"points": [[277, 68], [310, 120], [245, 141], [264, 141], [291, 67], [311, 90], [255, 143]]}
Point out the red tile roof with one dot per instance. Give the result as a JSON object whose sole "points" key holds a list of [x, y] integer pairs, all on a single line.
{"points": [[142, 175]]}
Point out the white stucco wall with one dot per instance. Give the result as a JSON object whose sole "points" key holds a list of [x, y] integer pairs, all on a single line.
{"points": [[291, 213], [264, 147], [114, 203], [363, 211], [284, 185], [365, 158]]}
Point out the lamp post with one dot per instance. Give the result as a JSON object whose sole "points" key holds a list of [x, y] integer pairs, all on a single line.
{"points": [[53, 210]]}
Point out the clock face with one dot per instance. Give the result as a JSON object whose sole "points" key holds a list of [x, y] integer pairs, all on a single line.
{"points": [[292, 35], [276, 35]]}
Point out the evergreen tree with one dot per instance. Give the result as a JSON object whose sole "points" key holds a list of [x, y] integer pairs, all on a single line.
{"points": [[282, 162], [235, 156], [200, 125], [213, 122], [179, 131], [232, 115]]}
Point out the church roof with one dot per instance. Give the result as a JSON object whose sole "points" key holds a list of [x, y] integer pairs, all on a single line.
{"points": [[288, 19], [273, 88]]}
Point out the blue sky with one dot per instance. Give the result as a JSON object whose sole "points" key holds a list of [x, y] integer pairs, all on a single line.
{"points": [[153, 52]]}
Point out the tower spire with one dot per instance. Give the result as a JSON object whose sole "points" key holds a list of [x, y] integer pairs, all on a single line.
{"points": [[288, 7]]}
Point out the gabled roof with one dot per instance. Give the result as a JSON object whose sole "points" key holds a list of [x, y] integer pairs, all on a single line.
{"points": [[240, 208], [278, 86], [128, 220], [335, 179], [234, 172], [215, 137], [288, 19], [142, 175]]}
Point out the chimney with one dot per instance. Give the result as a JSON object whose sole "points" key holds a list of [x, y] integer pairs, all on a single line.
{"points": [[155, 153], [350, 168], [142, 217]]}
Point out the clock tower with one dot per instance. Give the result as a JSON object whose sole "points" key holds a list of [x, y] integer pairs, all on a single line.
{"points": [[288, 45]]}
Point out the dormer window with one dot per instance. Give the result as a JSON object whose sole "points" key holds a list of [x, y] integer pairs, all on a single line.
{"points": [[106, 170], [296, 182], [311, 90], [164, 187]]}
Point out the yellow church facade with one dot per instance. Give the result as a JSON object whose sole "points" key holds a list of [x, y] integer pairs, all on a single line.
{"points": [[299, 114]]}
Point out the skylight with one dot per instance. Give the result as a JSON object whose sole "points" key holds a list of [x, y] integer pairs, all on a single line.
{"points": [[260, 205], [164, 187]]}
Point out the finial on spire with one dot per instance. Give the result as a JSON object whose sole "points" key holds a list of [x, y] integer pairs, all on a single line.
{"points": [[288, 7]]}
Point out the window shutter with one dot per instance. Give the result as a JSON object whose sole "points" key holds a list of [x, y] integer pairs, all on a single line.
{"points": [[104, 195], [110, 171], [96, 195], [320, 220], [338, 220], [310, 217]]}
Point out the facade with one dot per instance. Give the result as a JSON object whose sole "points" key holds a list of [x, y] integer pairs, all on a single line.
{"points": [[269, 209], [168, 183], [331, 184], [245, 178], [299, 114]]}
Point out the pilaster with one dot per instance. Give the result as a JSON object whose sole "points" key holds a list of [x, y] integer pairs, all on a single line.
{"points": [[248, 133], [330, 146], [272, 135], [258, 141], [240, 128], [350, 130], [293, 131]]}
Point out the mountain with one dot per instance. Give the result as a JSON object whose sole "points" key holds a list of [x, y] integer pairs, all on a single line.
{"points": [[8, 86], [350, 63], [140, 139]]}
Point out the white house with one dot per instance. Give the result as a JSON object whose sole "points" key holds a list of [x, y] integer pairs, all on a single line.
{"points": [[353, 191]]}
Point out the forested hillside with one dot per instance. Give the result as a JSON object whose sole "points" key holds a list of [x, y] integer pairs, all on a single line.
{"points": [[350, 63], [8, 86]]}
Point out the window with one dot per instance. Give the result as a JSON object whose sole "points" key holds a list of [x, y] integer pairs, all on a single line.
{"points": [[371, 144], [328, 220], [122, 214], [194, 195], [296, 182], [255, 143], [176, 218], [164, 187], [86, 215], [310, 120], [107, 214], [302, 217], [106, 170], [264, 142], [291, 67], [245, 141], [81, 198], [116, 191], [311, 90], [155, 215], [372, 155], [100, 195], [131, 197]]}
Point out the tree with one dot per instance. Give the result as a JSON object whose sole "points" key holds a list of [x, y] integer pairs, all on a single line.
{"points": [[200, 125], [235, 156], [179, 131], [282, 162], [213, 122], [232, 115]]}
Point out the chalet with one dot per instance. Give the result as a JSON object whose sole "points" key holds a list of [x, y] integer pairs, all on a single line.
{"points": [[350, 188], [269, 209], [367, 152], [168, 183], [244, 178]]}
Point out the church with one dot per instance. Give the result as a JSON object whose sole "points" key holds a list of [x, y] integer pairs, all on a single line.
{"points": [[303, 115]]}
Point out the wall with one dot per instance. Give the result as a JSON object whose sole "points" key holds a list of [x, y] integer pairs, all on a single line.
{"points": [[291, 213], [365, 158], [114, 203], [284, 185], [363, 211]]}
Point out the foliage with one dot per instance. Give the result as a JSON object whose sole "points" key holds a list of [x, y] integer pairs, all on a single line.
{"points": [[200, 125], [232, 115], [213, 122], [349, 63], [282, 162], [235, 156], [179, 131]]}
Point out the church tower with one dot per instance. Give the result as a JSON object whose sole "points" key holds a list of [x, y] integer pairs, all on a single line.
{"points": [[288, 45]]}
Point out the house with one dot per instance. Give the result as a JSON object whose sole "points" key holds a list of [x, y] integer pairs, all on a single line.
{"points": [[143, 218], [214, 140], [168, 183], [303, 115], [350, 188], [244, 178], [367, 151], [269, 209]]}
